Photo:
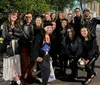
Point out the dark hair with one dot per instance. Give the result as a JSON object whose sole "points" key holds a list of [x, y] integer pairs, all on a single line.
{"points": [[86, 10], [28, 13], [73, 32], [76, 9], [59, 13], [51, 15], [53, 21], [90, 35], [66, 21], [23, 18]]}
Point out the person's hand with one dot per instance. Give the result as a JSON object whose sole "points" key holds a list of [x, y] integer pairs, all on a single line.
{"points": [[86, 61], [10, 33], [39, 59], [51, 58], [46, 53]]}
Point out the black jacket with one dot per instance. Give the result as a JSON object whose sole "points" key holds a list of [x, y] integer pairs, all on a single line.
{"points": [[90, 24], [73, 47], [16, 35], [89, 48], [28, 32], [36, 50]]}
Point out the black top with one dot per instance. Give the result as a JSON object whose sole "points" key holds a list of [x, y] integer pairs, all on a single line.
{"points": [[77, 25], [37, 30], [89, 48]]}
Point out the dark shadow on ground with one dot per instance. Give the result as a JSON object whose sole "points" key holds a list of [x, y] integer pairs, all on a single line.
{"points": [[68, 77], [96, 66]]}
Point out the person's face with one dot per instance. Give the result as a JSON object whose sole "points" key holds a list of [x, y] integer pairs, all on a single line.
{"points": [[77, 12], [14, 16], [47, 17], [53, 25], [47, 38], [84, 32], [28, 18], [53, 16], [38, 21], [64, 23], [61, 16], [69, 17], [69, 32], [86, 14], [48, 29]]}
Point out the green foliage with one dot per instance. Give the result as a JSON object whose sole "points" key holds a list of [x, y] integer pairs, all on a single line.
{"points": [[60, 4], [36, 6]]}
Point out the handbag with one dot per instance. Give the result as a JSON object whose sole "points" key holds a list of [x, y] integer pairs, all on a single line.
{"points": [[52, 74], [3, 45]]}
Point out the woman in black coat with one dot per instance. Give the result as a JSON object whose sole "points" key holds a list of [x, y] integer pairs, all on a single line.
{"points": [[73, 50], [40, 54], [90, 52], [61, 50]]}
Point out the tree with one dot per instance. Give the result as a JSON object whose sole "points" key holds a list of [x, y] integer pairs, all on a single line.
{"points": [[36, 6], [60, 4]]}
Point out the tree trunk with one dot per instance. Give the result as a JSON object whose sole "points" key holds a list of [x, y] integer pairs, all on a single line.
{"points": [[81, 2]]}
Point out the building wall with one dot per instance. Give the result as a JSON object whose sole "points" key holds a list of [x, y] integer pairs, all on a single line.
{"points": [[94, 7]]}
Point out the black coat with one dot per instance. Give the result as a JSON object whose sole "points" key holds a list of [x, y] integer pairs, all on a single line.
{"points": [[73, 47], [90, 24], [28, 31], [36, 50], [16, 35], [89, 48]]}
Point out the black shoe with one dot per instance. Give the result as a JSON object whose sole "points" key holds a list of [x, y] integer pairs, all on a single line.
{"points": [[13, 83], [87, 81], [21, 84]]}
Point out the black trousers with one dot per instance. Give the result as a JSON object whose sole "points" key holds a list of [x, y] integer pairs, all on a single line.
{"points": [[45, 68], [74, 68], [90, 66], [63, 62]]}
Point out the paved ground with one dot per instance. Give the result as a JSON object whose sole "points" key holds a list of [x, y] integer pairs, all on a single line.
{"points": [[62, 80]]}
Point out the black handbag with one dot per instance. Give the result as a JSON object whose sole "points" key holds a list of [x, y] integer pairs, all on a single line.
{"points": [[3, 46]]}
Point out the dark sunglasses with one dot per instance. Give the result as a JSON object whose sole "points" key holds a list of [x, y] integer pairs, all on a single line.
{"points": [[28, 17]]}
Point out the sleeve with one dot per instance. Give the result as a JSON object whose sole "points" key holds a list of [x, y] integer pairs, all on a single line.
{"points": [[67, 52], [66, 49], [5, 32], [79, 50], [18, 33], [94, 48], [36, 47]]}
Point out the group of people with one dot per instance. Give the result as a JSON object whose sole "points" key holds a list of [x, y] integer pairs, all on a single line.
{"points": [[28, 45]]}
